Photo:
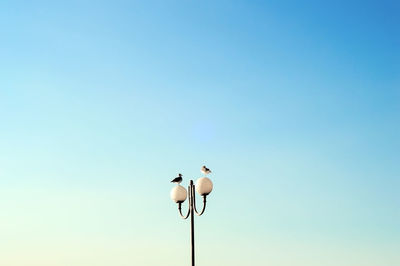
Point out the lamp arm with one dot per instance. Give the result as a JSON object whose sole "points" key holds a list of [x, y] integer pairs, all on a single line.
{"points": [[180, 212], [189, 209], [194, 203]]}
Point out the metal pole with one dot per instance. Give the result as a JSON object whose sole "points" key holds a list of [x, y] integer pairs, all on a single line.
{"points": [[192, 218]]}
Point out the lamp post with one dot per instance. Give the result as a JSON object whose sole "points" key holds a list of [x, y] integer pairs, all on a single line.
{"points": [[179, 194]]}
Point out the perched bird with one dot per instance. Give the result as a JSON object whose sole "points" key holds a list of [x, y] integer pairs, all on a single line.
{"points": [[177, 179], [205, 170]]}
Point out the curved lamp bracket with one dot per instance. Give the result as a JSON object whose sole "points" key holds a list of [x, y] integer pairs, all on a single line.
{"points": [[192, 203]]}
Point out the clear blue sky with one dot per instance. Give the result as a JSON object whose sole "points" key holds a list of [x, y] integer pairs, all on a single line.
{"points": [[294, 105]]}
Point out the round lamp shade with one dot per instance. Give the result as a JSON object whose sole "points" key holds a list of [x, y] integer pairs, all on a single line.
{"points": [[178, 194], [204, 186]]}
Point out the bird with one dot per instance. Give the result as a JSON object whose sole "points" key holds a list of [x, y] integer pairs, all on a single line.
{"points": [[177, 179], [205, 170]]}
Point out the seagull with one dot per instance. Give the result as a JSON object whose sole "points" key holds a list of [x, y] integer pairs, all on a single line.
{"points": [[205, 170], [177, 179]]}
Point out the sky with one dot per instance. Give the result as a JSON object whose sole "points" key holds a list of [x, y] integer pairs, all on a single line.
{"points": [[294, 106]]}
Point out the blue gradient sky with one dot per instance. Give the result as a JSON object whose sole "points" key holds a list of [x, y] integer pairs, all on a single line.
{"points": [[295, 106]]}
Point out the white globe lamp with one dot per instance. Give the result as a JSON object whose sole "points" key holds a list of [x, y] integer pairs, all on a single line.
{"points": [[178, 194], [204, 186]]}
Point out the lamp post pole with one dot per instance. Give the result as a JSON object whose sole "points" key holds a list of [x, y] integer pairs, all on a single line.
{"points": [[192, 224], [205, 187]]}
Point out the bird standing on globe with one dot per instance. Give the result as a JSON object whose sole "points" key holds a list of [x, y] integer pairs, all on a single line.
{"points": [[177, 180], [205, 170]]}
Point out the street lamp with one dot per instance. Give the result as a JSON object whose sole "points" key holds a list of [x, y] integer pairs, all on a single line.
{"points": [[179, 194]]}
